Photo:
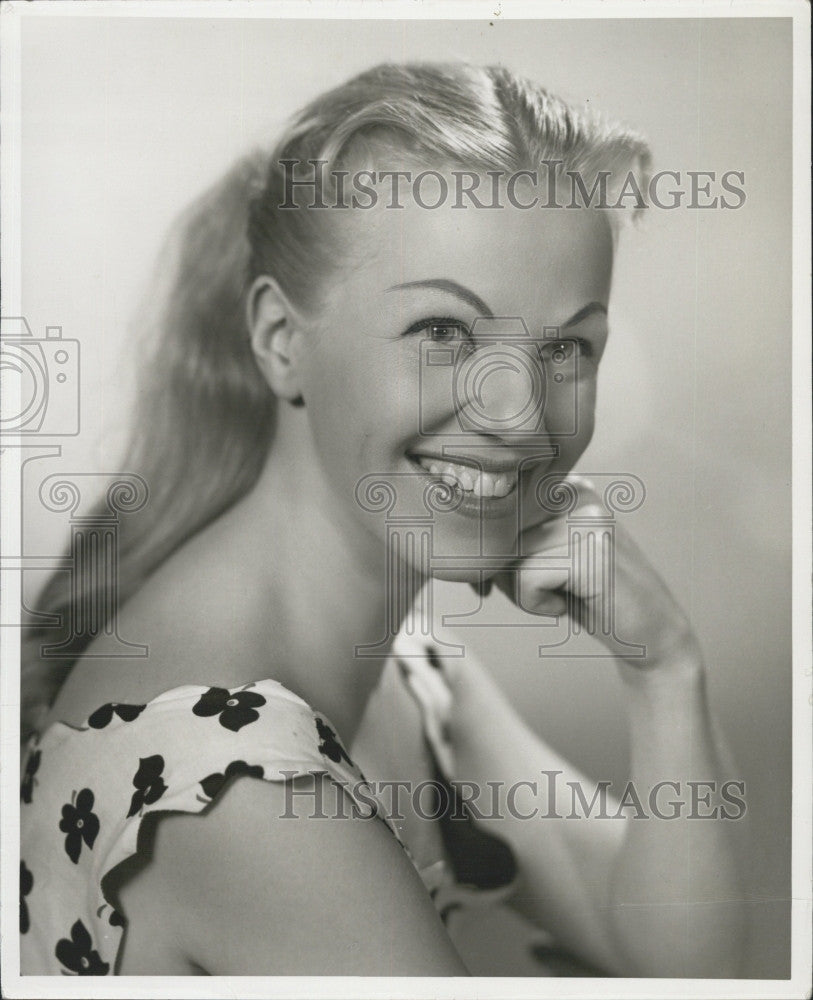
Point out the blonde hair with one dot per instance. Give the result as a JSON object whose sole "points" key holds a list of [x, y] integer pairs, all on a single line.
{"points": [[206, 415]]}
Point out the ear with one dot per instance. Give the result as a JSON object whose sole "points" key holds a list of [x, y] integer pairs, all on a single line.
{"points": [[275, 329]]}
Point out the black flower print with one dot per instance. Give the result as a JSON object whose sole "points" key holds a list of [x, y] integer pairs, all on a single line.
{"points": [[235, 709], [79, 823], [104, 715], [114, 918], [149, 784], [26, 885], [31, 768], [212, 785], [330, 746], [78, 955]]}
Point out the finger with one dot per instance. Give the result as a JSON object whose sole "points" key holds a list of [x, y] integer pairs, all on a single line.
{"points": [[542, 594], [544, 602], [548, 510], [534, 591], [582, 483], [505, 581], [543, 537], [482, 587]]}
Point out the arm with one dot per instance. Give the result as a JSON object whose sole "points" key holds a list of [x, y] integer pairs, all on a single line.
{"points": [[245, 892], [656, 897], [633, 897], [677, 905]]}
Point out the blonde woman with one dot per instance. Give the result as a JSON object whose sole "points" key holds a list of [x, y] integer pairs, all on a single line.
{"points": [[168, 804]]}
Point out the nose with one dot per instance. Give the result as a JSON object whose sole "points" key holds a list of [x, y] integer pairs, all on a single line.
{"points": [[501, 390]]}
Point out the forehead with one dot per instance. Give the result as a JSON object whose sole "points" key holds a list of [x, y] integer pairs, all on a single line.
{"points": [[544, 264]]}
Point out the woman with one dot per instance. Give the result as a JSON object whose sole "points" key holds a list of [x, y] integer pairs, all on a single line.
{"points": [[289, 370]]}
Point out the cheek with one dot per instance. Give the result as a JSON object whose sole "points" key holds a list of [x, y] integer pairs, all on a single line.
{"points": [[362, 407], [586, 406], [570, 410], [585, 414]]}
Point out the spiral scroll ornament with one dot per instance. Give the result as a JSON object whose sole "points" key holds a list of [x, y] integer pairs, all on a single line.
{"points": [[376, 494], [557, 495], [624, 494], [60, 495], [440, 497], [127, 494]]}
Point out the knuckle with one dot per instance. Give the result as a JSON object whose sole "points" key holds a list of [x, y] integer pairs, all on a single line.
{"points": [[592, 508], [583, 483]]}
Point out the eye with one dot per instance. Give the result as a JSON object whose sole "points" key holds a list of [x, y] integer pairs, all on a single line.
{"points": [[440, 329], [560, 351]]}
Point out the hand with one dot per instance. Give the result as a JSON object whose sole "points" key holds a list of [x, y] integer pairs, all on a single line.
{"points": [[646, 613]]}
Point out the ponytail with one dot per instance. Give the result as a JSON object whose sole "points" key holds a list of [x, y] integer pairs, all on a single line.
{"points": [[204, 412]]}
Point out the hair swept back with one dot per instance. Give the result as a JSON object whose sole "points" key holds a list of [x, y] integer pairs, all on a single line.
{"points": [[205, 415]]}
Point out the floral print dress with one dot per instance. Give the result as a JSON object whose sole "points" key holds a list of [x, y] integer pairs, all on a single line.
{"points": [[86, 789]]}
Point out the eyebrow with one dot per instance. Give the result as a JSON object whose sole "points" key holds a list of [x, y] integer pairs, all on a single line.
{"points": [[583, 313], [467, 295], [445, 285]]}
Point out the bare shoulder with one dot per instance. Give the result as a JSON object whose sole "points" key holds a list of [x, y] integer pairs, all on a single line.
{"points": [[196, 622], [257, 886]]}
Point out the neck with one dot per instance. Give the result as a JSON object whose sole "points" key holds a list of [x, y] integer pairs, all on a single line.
{"points": [[320, 578]]}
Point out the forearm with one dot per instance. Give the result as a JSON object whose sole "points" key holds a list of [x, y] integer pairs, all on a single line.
{"points": [[662, 897], [633, 896], [564, 863], [675, 899]]}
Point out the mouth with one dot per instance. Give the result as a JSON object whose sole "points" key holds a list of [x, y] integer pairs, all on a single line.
{"points": [[470, 479]]}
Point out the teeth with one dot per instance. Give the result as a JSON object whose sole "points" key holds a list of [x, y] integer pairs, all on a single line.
{"points": [[481, 484], [467, 478]]}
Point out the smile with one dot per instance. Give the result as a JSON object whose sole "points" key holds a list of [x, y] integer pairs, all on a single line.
{"points": [[472, 481]]}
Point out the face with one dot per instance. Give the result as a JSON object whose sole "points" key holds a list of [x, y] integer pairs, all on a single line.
{"points": [[418, 372]]}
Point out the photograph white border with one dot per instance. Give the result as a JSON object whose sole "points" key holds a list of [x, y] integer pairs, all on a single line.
{"points": [[356, 987]]}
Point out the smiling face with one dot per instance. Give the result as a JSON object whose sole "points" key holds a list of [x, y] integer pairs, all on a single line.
{"points": [[417, 368]]}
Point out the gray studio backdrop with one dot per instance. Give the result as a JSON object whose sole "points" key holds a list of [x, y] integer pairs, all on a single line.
{"points": [[125, 120]]}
